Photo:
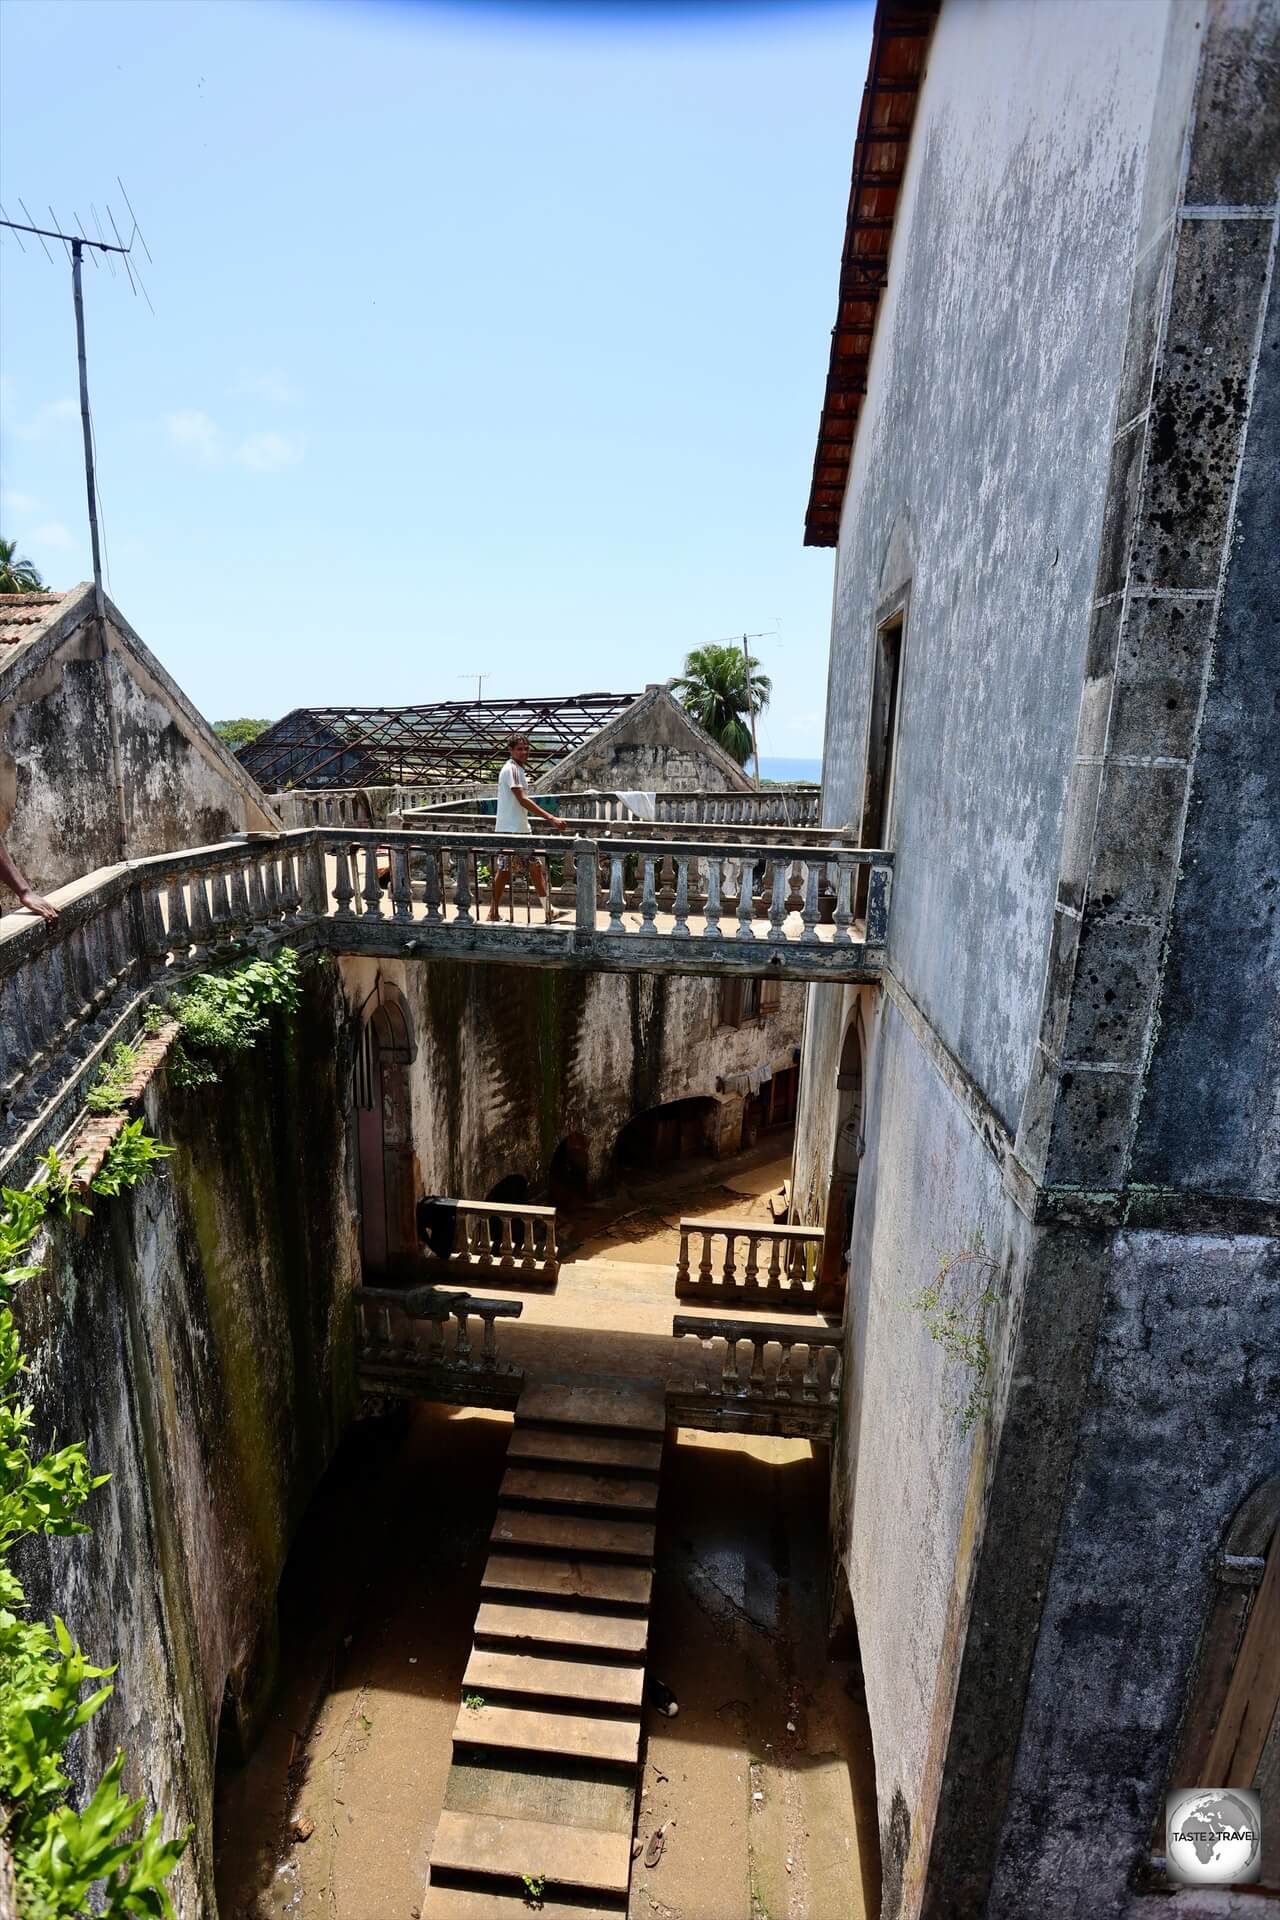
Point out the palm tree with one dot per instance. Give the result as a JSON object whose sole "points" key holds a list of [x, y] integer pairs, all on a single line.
{"points": [[17, 576], [722, 690]]}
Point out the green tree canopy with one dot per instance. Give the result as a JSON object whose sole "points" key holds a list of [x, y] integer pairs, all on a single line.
{"points": [[721, 694], [17, 575], [238, 733]]}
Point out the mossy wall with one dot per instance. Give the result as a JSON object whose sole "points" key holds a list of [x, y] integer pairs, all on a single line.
{"points": [[197, 1334]]}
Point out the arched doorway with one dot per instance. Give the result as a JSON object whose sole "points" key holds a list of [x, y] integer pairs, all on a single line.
{"points": [[846, 1158], [388, 1235], [676, 1131]]}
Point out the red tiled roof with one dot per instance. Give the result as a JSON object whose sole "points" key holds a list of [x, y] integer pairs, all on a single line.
{"points": [[22, 615]]}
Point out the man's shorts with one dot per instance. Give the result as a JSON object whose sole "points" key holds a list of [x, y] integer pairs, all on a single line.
{"points": [[503, 863]]}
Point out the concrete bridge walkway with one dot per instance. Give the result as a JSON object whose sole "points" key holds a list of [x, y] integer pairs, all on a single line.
{"points": [[541, 1793]]}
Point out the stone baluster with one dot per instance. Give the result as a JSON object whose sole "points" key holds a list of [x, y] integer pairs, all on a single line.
{"points": [[201, 920], [648, 896], [682, 1262], [665, 892], [617, 892], [811, 1378], [528, 1252], [729, 1270], [372, 891], [795, 889], [585, 877], [342, 887], [750, 1273], [680, 905], [462, 887], [811, 908], [401, 892], [773, 1278], [155, 934], [179, 940], [80, 975], [507, 1245], [782, 1378], [220, 909], [431, 884], [715, 876], [315, 883], [270, 887], [756, 1384], [730, 1377], [437, 1352], [290, 899], [746, 906], [844, 901], [705, 1272], [462, 1345], [778, 900], [240, 917], [550, 1250], [256, 891], [489, 1347]]}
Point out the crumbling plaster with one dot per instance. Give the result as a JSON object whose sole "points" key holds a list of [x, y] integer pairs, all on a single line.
{"points": [[512, 1060], [196, 1334]]}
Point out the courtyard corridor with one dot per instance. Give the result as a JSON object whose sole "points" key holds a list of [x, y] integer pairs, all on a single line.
{"points": [[760, 1786]]}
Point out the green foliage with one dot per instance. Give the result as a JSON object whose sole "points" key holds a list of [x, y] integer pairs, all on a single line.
{"points": [[228, 1013], [535, 1885], [956, 1309], [17, 575], [718, 687], [238, 733], [473, 1700], [131, 1156], [66, 1863], [110, 1090]]}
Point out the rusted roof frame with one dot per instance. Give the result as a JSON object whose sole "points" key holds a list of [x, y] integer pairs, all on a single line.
{"points": [[447, 741], [899, 42]]}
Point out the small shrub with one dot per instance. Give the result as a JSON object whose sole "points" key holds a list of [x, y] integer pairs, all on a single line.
{"points": [[131, 1156], [959, 1322], [110, 1090], [473, 1700], [228, 1013], [535, 1885]]}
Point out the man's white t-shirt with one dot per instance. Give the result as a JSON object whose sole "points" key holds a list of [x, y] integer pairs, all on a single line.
{"points": [[512, 817]]}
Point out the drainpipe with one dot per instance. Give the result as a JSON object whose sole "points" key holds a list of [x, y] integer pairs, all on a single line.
{"points": [[99, 602]]}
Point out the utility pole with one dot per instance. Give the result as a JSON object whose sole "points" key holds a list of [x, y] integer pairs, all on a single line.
{"points": [[75, 244]]}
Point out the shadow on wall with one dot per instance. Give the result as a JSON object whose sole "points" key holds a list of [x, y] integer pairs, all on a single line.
{"points": [[675, 1131]]}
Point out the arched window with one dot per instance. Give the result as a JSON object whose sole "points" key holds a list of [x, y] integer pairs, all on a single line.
{"points": [[384, 1123], [1231, 1736]]}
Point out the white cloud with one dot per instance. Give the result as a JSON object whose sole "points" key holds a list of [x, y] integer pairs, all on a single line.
{"points": [[15, 502], [45, 420], [53, 535], [196, 434], [269, 452], [199, 435], [273, 387]]}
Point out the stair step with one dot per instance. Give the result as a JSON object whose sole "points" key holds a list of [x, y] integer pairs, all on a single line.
{"points": [[530, 1627], [489, 1671], [572, 1446], [601, 1581], [569, 1736], [481, 1903], [566, 1856], [573, 1533], [564, 1487], [633, 1408]]}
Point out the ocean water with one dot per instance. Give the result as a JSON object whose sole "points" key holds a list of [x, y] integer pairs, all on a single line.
{"points": [[771, 769]]}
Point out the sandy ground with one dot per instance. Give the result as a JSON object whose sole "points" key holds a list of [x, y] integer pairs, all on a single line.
{"points": [[762, 1781]]}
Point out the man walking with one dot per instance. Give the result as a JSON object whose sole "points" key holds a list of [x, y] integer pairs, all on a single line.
{"points": [[515, 804]]}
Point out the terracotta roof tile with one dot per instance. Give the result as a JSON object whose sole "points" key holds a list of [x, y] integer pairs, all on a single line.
{"points": [[22, 615]]}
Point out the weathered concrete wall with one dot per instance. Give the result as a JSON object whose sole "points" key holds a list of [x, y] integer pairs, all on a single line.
{"points": [[1180, 1426], [59, 812], [511, 1060], [910, 1487], [196, 1334]]}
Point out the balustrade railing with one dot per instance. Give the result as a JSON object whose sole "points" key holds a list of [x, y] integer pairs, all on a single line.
{"points": [[516, 1240], [680, 905], [785, 807], [747, 1263], [788, 1384], [404, 1346]]}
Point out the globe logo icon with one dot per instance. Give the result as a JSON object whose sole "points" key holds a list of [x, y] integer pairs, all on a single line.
{"points": [[1213, 1836]]}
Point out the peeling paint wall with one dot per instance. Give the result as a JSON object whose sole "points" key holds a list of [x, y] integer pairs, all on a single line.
{"points": [[511, 1060], [58, 807], [196, 1335]]}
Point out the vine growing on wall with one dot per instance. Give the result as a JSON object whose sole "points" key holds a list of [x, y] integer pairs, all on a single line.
{"points": [[64, 1861], [956, 1309]]}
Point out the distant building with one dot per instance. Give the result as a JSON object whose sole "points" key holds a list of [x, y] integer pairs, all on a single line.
{"points": [[103, 757], [1047, 461]]}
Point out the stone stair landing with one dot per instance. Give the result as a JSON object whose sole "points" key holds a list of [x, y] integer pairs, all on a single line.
{"points": [[546, 1757]]}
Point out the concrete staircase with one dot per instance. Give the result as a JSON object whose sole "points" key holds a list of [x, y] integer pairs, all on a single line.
{"points": [[546, 1756]]}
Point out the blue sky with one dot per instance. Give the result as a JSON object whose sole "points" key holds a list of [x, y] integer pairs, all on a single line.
{"points": [[486, 339]]}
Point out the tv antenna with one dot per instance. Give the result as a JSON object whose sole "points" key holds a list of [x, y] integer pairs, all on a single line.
{"points": [[479, 680], [75, 245]]}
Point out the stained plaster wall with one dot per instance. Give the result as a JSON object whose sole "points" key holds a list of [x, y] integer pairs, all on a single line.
{"points": [[1179, 1427], [511, 1060], [58, 804], [196, 1334], [977, 492]]}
